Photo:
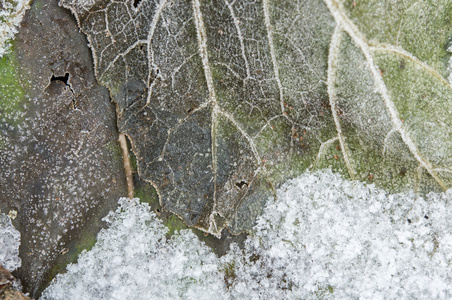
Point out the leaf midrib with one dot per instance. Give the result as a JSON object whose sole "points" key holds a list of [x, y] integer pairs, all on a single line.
{"points": [[350, 28]]}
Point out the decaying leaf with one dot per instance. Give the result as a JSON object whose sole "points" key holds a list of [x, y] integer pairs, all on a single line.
{"points": [[60, 165], [225, 100]]}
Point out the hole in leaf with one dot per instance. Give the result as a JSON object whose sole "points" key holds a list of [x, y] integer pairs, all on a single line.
{"points": [[241, 184], [63, 79], [136, 3], [191, 109]]}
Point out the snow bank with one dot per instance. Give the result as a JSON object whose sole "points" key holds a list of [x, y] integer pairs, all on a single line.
{"points": [[325, 237]]}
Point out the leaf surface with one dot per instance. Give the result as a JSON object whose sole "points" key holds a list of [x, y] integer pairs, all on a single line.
{"points": [[225, 100], [60, 165]]}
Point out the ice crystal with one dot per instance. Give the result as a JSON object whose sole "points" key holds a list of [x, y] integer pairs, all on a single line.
{"points": [[325, 237], [9, 244], [11, 14]]}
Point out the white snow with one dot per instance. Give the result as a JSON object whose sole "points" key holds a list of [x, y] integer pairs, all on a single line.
{"points": [[330, 237], [9, 244], [132, 259], [11, 14], [325, 237]]}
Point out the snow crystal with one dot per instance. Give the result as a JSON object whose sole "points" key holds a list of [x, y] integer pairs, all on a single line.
{"points": [[133, 259], [331, 238], [9, 244], [325, 237], [11, 14]]}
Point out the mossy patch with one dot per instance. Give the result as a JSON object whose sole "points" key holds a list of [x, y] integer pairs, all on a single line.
{"points": [[325, 292], [174, 223], [12, 93], [147, 194], [229, 273]]}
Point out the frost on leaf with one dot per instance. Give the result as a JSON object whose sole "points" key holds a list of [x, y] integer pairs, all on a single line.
{"points": [[225, 100], [60, 167], [325, 238]]}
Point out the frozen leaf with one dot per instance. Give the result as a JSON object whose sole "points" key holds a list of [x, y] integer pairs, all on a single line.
{"points": [[60, 166], [225, 100], [325, 238]]}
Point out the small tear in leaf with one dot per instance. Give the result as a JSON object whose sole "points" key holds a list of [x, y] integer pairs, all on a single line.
{"points": [[241, 184], [63, 79], [136, 3]]}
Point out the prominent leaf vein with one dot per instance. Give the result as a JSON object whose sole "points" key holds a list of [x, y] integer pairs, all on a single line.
{"points": [[202, 49], [268, 27], [402, 52], [121, 55], [150, 52], [332, 67], [348, 26]]}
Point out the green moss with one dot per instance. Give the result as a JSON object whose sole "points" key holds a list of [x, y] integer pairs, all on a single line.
{"points": [[37, 5], [133, 161], [11, 91], [229, 273], [325, 292], [147, 194], [12, 95], [330, 289], [174, 223]]}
